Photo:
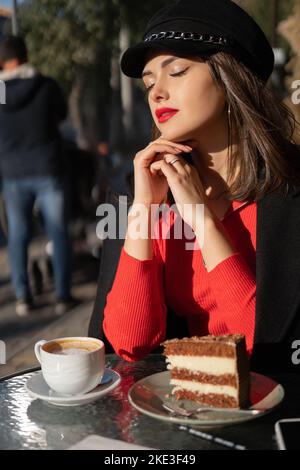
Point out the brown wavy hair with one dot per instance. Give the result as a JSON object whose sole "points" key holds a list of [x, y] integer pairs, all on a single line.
{"points": [[263, 127]]}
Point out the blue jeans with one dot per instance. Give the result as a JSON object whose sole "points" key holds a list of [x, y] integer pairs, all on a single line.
{"points": [[49, 194]]}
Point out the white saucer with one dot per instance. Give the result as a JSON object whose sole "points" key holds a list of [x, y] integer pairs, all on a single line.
{"points": [[38, 388], [150, 393]]}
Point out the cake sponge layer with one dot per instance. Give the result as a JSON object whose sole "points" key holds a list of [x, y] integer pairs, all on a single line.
{"points": [[220, 401]]}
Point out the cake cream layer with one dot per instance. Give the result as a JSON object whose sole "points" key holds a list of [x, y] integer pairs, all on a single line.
{"points": [[201, 388], [203, 364]]}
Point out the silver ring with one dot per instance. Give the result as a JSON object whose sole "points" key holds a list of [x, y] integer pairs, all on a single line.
{"points": [[174, 161]]}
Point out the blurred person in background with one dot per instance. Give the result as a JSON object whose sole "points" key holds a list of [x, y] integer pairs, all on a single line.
{"points": [[31, 165]]}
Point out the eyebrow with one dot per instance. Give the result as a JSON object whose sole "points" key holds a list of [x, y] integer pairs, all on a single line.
{"points": [[163, 64]]}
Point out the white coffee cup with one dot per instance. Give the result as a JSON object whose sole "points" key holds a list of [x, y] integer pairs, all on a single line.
{"points": [[73, 365]]}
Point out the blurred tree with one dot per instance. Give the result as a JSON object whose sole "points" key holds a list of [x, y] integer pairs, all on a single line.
{"points": [[65, 34], [75, 41], [262, 11]]}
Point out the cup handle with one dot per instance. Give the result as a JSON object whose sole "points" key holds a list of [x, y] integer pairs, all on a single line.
{"points": [[37, 348]]}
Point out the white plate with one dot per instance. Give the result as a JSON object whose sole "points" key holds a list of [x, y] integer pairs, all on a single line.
{"points": [[38, 388], [149, 394]]}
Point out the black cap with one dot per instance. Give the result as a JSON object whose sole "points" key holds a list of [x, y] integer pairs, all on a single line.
{"points": [[203, 27]]}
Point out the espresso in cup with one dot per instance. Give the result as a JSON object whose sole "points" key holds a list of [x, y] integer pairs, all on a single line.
{"points": [[71, 351], [71, 366], [70, 347]]}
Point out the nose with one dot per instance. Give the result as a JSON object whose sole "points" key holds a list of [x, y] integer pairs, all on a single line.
{"points": [[159, 92]]}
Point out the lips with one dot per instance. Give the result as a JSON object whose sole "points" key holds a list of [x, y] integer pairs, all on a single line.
{"points": [[164, 114]]}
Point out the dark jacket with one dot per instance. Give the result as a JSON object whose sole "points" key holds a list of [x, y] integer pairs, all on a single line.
{"points": [[30, 143], [277, 275]]}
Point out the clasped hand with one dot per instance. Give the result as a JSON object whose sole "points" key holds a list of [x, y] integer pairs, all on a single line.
{"points": [[185, 184]]}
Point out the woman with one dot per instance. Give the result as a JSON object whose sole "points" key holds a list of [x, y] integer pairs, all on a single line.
{"points": [[224, 143]]}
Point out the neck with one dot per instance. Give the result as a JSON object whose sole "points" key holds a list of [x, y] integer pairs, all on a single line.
{"points": [[11, 64], [210, 157]]}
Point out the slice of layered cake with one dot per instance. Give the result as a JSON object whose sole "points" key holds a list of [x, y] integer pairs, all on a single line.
{"points": [[213, 370]]}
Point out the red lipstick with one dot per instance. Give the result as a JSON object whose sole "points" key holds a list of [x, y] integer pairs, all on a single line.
{"points": [[164, 114]]}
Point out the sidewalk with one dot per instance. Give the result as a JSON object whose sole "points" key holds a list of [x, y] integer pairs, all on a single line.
{"points": [[20, 334]]}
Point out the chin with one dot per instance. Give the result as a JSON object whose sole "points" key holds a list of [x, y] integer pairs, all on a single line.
{"points": [[174, 136], [180, 130]]}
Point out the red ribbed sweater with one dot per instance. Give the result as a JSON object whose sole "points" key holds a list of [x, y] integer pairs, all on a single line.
{"points": [[219, 302]]}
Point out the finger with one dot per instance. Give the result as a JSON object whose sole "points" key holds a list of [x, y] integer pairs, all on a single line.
{"points": [[168, 170], [182, 147], [146, 156], [178, 163], [162, 148], [189, 144], [155, 165], [155, 168]]}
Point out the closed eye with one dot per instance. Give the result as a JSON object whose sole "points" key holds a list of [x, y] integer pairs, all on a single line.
{"points": [[176, 74]]}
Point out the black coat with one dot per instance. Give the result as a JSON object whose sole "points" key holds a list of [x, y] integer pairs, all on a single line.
{"points": [[30, 143], [277, 276]]}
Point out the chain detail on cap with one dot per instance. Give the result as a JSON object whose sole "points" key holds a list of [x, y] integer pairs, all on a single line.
{"points": [[188, 36]]}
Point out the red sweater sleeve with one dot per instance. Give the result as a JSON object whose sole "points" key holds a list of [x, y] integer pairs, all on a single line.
{"points": [[135, 311], [234, 286]]}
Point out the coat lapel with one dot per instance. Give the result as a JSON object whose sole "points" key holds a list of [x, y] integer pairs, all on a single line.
{"points": [[278, 267]]}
